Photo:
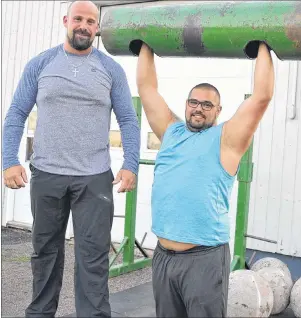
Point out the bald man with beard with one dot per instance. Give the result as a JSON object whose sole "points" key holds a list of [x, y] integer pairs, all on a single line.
{"points": [[75, 88]]}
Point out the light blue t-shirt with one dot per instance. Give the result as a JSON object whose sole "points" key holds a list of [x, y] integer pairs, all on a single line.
{"points": [[191, 189]]}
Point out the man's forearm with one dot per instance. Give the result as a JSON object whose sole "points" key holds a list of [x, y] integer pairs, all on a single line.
{"points": [[130, 134], [130, 137], [146, 70], [264, 75], [12, 134], [126, 118]]}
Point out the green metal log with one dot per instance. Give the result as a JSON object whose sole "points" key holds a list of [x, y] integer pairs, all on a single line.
{"points": [[206, 29]]}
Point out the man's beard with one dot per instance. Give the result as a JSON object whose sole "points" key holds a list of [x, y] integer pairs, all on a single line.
{"points": [[78, 43], [195, 126]]}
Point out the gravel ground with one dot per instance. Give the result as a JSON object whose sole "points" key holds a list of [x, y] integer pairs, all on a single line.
{"points": [[17, 276]]}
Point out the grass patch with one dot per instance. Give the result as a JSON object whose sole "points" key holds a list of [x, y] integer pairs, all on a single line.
{"points": [[21, 259]]}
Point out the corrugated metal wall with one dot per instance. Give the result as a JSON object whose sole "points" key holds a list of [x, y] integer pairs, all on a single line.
{"points": [[28, 28], [275, 207]]}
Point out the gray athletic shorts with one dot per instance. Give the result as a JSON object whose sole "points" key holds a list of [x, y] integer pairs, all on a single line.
{"points": [[193, 283]]}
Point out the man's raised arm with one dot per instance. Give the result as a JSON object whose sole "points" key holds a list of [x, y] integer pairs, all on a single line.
{"points": [[239, 130], [157, 112]]}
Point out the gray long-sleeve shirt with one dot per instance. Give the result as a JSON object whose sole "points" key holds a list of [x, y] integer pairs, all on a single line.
{"points": [[74, 113]]}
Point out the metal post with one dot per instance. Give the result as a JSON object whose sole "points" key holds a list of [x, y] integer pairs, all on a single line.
{"points": [[130, 207], [128, 244], [244, 177]]}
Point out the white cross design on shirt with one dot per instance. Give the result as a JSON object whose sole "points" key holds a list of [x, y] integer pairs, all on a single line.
{"points": [[75, 71]]}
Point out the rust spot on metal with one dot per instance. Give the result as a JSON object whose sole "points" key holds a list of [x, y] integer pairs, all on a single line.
{"points": [[293, 27], [106, 29], [193, 36], [171, 13], [226, 8]]}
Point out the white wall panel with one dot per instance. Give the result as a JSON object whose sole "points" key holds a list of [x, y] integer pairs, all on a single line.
{"points": [[290, 195], [10, 15], [30, 28], [295, 237], [275, 198]]}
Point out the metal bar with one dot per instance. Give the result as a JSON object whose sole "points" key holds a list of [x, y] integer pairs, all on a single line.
{"points": [[121, 247], [126, 268], [235, 263], [129, 241], [130, 226], [251, 259], [141, 249], [292, 107], [261, 239], [144, 236], [244, 178], [113, 248], [243, 210], [147, 162], [130, 206], [219, 29]]}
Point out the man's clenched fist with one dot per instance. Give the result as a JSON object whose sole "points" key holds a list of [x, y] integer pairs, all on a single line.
{"points": [[15, 177]]}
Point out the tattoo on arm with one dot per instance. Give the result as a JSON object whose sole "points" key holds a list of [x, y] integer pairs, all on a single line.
{"points": [[175, 117]]}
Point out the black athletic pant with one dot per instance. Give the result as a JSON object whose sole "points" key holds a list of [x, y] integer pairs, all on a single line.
{"points": [[193, 283], [90, 199]]}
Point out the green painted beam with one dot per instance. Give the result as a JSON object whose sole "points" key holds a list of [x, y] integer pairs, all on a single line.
{"points": [[205, 29], [123, 268], [235, 264], [113, 258], [147, 162], [244, 177], [131, 205], [127, 247], [244, 188]]}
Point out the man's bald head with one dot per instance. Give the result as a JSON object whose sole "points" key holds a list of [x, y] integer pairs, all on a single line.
{"points": [[79, 4], [81, 23]]}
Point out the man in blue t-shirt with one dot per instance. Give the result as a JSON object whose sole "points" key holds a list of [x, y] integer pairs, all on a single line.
{"points": [[193, 179], [75, 88]]}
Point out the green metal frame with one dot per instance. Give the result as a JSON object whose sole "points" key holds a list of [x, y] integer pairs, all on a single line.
{"points": [[244, 177], [128, 244]]}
